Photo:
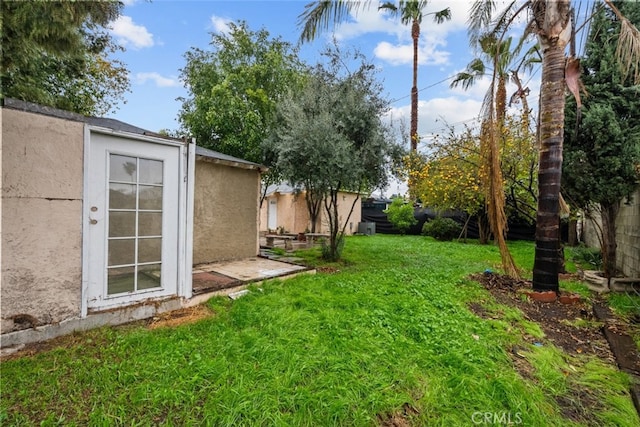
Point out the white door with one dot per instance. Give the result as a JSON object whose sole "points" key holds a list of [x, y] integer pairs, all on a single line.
{"points": [[133, 203], [272, 211]]}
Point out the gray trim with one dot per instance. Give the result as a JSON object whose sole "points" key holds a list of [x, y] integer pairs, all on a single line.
{"points": [[215, 157]]}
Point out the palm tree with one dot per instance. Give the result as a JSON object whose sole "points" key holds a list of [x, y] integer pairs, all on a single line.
{"points": [[551, 22], [412, 12], [320, 14], [501, 56], [508, 65]]}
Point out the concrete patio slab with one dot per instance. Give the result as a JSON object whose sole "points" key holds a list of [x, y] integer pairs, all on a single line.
{"points": [[253, 269]]}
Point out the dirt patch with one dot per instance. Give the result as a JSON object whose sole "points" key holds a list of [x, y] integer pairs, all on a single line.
{"points": [[401, 418], [93, 339], [572, 327], [179, 317], [327, 270]]}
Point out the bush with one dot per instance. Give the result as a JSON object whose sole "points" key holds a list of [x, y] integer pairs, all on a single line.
{"points": [[400, 215], [587, 258], [442, 229]]}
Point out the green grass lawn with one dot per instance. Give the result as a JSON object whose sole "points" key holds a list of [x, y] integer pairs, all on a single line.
{"points": [[387, 337]]}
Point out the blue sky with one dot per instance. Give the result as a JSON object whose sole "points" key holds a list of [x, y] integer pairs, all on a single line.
{"points": [[157, 34]]}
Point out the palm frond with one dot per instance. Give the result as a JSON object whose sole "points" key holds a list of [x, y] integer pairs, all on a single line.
{"points": [[442, 15], [500, 24], [318, 16], [628, 51], [479, 18], [466, 80], [476, 66]]}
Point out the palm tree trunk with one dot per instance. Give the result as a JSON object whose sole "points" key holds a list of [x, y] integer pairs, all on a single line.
{"points": [[415, 34], [545, 269]]}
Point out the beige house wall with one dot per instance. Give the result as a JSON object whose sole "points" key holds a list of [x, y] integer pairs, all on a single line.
{"points": [[293, 215], [42, 179], [627, 236], [225, 223]]}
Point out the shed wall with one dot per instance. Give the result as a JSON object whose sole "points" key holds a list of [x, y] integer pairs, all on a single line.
{"points": [[225, 222], [42, 174]]}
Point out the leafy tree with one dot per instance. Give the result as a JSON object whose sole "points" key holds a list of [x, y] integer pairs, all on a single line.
{"points": [[452, 175], [400, 215], [55, 53], [602, 150], [331, 138], [234, 89]]}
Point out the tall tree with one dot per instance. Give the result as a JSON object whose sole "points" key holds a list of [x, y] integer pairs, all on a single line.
{"points": [[319, 15], [56, 53], [602, 148], [501, 56], [331, 138], [412, 12], [552, 23], [234, 89]]}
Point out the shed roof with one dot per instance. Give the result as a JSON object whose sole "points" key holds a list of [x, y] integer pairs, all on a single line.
{"points": [[121, 126], [224, 159]]}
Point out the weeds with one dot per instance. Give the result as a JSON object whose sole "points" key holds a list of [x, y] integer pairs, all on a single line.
{"points": [[388, 337]]}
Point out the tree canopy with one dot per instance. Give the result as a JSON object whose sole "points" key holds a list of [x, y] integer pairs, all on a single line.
{"points": [[452, 176], [234, 89], [331, 138], [56, 53]]}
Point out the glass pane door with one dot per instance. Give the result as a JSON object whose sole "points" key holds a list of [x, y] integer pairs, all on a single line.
{"points": [[134, 253]]}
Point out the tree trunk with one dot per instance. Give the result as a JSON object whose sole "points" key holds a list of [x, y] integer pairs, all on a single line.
{"points": [[572, 238], [608, 213], [415, 34], [484, 231], [314, 205], [553, 40]]}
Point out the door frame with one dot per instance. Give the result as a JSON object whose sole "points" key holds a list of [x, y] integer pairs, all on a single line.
{"points": [[185, 211], [272, 213]]}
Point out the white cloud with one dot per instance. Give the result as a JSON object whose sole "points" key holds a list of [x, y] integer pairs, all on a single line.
{"points": [[220, 24], [129, 33], [160, 81], [372, 20], [369, 20], [477, 90], [436, 114], [398, 54]]}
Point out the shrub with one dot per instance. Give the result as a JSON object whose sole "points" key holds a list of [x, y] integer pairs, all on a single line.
{"points": [[400, 215], [442, 229], [587, 258]]}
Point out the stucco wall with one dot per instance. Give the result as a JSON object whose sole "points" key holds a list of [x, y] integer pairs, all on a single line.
{"points": [[294, 216], [345, 201], [225, 222], [627, 236], [42, 174]]}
